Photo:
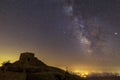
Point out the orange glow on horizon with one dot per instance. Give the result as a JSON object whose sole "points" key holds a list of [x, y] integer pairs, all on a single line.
{"points": [[82, 70], [84, 73]]}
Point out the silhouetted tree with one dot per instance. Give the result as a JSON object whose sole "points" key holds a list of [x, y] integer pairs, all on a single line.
{"points": [[5, 65]]}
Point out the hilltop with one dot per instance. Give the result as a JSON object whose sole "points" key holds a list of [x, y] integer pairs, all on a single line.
{"points": [[28, 67]]}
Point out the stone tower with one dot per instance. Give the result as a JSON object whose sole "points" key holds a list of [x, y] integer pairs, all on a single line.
{"points": [[27, 57]]}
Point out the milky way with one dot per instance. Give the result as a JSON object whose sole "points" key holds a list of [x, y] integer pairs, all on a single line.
{"points": [[88, 36]]}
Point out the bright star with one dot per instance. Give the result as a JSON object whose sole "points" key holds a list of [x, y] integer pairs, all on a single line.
{"points": [[115, 33]]}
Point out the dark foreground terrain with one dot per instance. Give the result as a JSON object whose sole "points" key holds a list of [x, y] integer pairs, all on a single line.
{"points": [[71, 78], [104, 78]]}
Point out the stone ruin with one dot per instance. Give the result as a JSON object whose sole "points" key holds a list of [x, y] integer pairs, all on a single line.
{"points": [[18, 70], [27, 63], [28, 67], [27, 57]]}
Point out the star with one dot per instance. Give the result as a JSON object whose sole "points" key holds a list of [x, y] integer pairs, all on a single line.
{"points": [[64, 32], [116, 33]]}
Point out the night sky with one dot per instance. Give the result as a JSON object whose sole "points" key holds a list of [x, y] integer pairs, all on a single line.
{"points": [[83, 35]]}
